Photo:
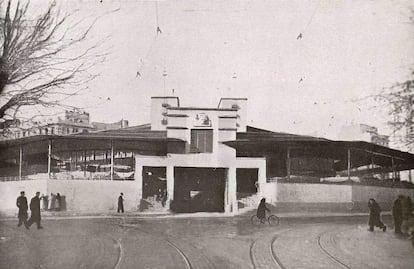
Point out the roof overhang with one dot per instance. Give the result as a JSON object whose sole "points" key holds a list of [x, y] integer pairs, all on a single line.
{"points": [[39, 144]]}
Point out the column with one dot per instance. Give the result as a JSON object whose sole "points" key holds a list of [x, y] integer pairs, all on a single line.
{"points": [[20, 162], [349, 164], [84, 164], [170, 185], [49, 158], [138, 180], [230, 201], [112, 160], [393, 169], [261, 178], [288, 163]]}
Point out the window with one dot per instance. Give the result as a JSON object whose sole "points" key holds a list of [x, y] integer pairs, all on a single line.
{"points": [[202, 140]]}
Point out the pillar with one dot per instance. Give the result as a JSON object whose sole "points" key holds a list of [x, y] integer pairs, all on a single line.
{"points": [[138, 181], [349, 164], [261, 178], [230, 197], [112, 160], [288, 163], [170, 185], [49, 158], [20, 162]]}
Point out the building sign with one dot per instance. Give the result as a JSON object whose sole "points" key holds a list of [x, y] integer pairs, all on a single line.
{"points": [[202, 120]]}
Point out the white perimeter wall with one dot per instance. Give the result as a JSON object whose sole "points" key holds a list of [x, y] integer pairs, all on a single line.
{"points": [[10, 190], [96, 195], [81, 195], [330, 193], [313, 193], [382, 195]]}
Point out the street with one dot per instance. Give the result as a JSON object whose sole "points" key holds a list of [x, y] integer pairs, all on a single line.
{"points": [[225, 242]]}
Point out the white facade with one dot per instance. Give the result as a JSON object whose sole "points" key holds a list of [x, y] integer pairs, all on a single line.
{"points": [[219, 124]]}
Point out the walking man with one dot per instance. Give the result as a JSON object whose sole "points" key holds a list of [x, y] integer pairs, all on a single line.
{"points": [[35, 208], [22, 205], [121, 203], [398, 214]]}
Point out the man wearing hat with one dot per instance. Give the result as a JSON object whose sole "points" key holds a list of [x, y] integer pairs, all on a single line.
{"points": [[22, 205], [35, 208]]}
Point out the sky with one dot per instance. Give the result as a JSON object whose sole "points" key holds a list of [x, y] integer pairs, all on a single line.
{"points": [[348, 50]]}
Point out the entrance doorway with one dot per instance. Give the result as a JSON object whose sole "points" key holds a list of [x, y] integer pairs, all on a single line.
{"points": [[246, 186], [154, 189], [198, 189]]}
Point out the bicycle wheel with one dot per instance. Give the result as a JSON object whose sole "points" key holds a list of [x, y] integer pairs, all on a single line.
{"points": [[255, 220], [273, 220]]}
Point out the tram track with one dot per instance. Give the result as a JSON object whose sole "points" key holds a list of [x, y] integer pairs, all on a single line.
{"points": [[262, 254], [273, 253], [277, 261], [179, 250], [329, 254]]}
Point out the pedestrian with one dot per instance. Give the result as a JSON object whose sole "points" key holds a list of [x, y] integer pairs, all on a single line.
{"points": [[261, 210], [121, 203], [35, 208], [397, 213], [407, 226], [58, 202], [375, 216], [21, 203]]}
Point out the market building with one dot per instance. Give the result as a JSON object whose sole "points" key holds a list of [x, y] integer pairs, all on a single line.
{"points": [[199, 159]]}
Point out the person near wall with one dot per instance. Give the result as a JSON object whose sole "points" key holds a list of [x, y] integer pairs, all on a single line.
{"points": [[58, 202], [121, 203], [261, 210], [397, 213], [407, 226], [35, 209], [375, 216], [21, 203], [45, 203]]}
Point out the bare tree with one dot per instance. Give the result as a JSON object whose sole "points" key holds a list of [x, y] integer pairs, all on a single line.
{"points": [[43, 59], [398, 100]]}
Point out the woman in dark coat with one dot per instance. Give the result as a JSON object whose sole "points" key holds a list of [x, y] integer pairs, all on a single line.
{"points": [[261, 210], [374, 216]]}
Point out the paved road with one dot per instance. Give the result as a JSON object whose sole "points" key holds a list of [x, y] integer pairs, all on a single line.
{"points": [[201, 243]]}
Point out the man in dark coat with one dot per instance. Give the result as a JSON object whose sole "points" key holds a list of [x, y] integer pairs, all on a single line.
{"points": [[397, 213], [375, 216], [35, 208], [121, 203], [21, 203]]}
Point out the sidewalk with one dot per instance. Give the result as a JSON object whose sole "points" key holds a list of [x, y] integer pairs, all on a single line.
{"points": [[166, 215]]}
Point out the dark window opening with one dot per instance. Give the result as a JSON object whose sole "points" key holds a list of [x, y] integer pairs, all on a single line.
{"points": [[202, 140]]}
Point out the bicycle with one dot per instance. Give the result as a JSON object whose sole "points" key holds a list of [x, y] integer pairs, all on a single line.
{"points": [[273, 220]]}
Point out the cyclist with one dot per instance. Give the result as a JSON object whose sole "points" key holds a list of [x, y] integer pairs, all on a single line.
{"points": [[261, 211]]}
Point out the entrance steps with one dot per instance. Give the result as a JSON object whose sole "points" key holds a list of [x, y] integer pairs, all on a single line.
{"points": [[153, 205], [247, 202]]}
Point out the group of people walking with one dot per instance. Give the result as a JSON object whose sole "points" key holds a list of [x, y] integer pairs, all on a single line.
{"points": [[34, 208], [401, 212]]}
